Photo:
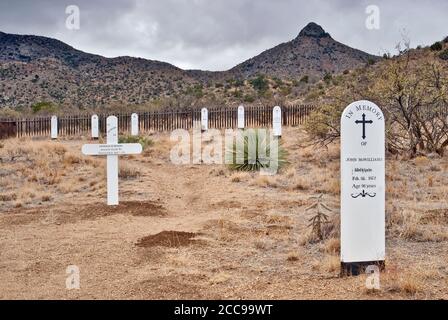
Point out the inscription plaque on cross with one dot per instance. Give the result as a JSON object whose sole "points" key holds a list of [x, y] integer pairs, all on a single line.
{"points": [[112, 149], [364, 122]]}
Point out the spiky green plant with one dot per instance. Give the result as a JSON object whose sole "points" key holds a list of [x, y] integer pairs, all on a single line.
{"points": [[256, 152]]}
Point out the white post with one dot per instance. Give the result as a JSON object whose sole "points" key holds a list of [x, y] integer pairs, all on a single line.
{"points": [[54, 127], [204, 119], [112, 162], [95, 127], [241, 117], [362, 187], [277, 121], [134, 124]]}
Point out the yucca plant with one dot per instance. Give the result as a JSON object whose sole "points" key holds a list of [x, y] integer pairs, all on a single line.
{"points": [[255, 152]]}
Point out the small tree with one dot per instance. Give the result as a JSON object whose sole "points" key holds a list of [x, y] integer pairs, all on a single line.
{"points": [[260, 84], [319, 218], [437, 46]]}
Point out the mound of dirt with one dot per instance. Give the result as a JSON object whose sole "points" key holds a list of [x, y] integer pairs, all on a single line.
{"points": [[172, 239]]}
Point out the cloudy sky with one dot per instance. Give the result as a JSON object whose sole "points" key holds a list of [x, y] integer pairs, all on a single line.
{"points": [[218, 34]]}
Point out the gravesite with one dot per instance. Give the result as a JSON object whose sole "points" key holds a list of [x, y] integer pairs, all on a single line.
{"points": [[311, 171]]}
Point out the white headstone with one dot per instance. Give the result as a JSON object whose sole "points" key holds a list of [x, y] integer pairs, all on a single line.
{"points": [[204, 119], [362, 185], [241, 117], [277, 121], [54, 127], [112, 149], [134, 124], [95, 127]]}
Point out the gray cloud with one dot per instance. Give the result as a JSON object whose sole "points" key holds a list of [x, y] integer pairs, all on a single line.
{"points": [[218, 34]]}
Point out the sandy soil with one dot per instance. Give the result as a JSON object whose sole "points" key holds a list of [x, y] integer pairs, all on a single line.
{"points": [[204, 232]]}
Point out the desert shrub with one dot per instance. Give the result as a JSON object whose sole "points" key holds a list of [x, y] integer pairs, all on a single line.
{"points": [[261, 159], [437, 46], [444, 55], [127, 172], [327, 78], [249, 98], [305, 79], [144, 141], [43, 107], [260, 83]]}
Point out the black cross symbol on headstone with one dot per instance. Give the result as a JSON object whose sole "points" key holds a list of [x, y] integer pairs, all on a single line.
{"points": [[363, 121]]}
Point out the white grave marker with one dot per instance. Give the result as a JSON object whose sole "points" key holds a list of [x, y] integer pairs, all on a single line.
{"points": [[277, 121], [204, 119], [241, 117], [54, 127], [95, 127], [112, 150], [134, 124], [362, 187]]}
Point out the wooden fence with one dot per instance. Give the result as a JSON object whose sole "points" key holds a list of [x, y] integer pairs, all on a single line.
{"points": [[219, 118]]}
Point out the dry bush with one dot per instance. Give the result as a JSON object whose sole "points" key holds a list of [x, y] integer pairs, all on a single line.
{"points": [[219, 278], [412, 226], [406, 282], [293, 256], [300, 183], [239, 177], [128, 172], [265, 182], [332, 246], [260, 244], [8, 197], [421, 161], [290, 173], [331, 263]]}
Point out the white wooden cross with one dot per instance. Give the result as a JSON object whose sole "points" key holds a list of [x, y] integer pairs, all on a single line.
{"points": [[112, 150]]}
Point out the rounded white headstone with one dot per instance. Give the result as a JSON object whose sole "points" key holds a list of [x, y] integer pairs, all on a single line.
{"points": [[241, 117], [362, 183], [204, 119], [277, 121], [54, 127], [95, 127], [134, 124]]}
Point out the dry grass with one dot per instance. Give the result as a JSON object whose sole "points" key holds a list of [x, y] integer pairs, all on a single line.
{"points": [[128, 172], [265, 182], [331, 264], [405, 282], [36, 169], [240, 177], [293, 256], [332, 246]]}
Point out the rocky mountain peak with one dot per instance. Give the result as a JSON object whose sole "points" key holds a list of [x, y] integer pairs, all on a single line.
{"points": [[313, 30]]}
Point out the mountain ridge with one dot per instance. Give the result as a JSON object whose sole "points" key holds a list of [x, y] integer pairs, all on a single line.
{"points": [[37, 68]]}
